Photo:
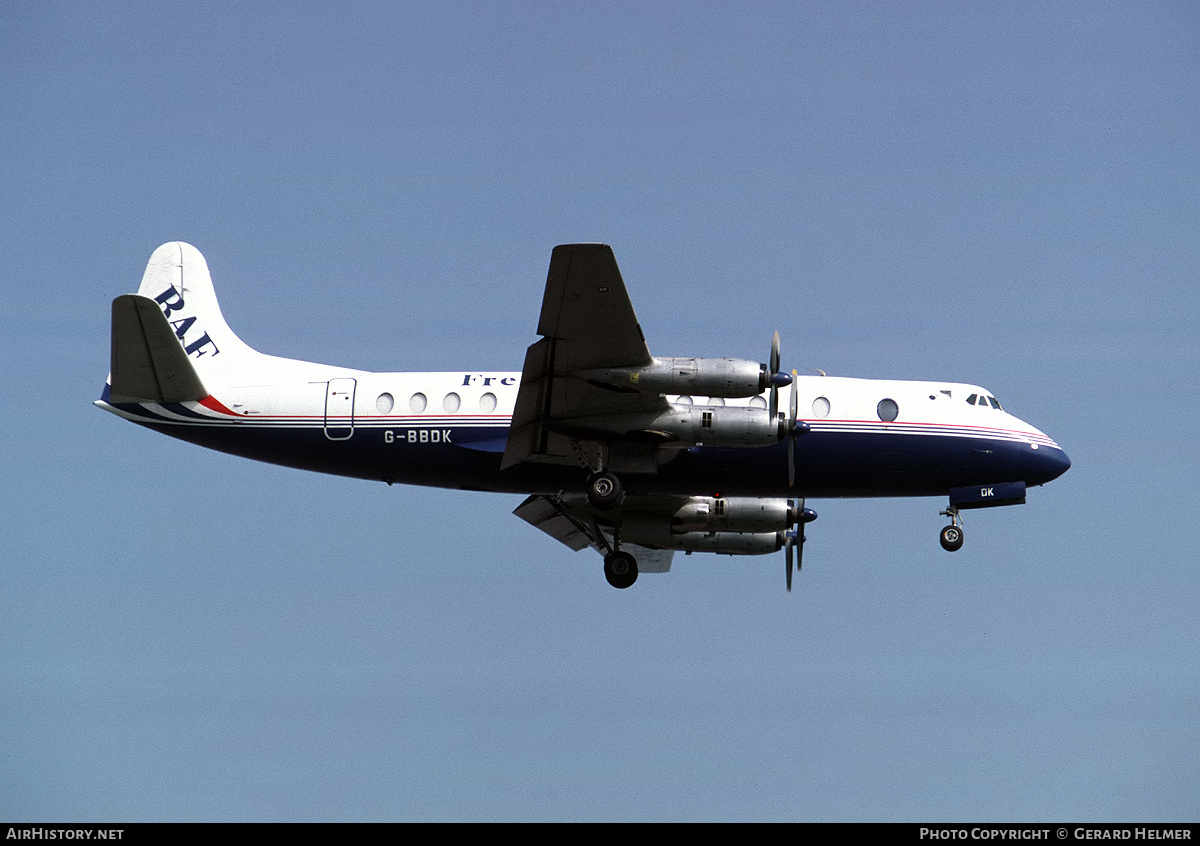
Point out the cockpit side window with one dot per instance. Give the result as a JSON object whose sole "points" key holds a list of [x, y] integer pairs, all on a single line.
{"points": [[971, 399], [995, 403]]}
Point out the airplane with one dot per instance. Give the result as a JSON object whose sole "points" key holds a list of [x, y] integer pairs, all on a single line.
{"points": [[633, 455]]}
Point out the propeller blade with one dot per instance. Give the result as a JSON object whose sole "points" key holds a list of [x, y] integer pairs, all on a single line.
{"points": [[793, 544], [793, 414], [773, 378], [794, 405]]}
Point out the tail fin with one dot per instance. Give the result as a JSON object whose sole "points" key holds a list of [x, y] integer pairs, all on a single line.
{"points": [[170, 339], [178, 281], [172, 344]]}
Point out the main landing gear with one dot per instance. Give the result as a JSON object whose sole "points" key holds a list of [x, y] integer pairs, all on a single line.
{"points": [[603, 490], [604, 493], [620, 568], [952, 536]]}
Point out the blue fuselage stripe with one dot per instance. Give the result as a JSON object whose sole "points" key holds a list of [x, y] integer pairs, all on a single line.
{"points": [[832, 462]]}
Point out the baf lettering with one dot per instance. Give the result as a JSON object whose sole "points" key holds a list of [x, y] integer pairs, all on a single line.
{"points": [[197, 346], [172, 301]]}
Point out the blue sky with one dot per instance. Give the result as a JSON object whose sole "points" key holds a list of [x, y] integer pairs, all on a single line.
{"points": [[1004, 194]]}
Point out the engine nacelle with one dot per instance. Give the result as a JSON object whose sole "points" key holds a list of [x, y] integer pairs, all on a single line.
{"points": [[684, 426], [735, 514], [710, 377], [721, 426], [658, 535]]}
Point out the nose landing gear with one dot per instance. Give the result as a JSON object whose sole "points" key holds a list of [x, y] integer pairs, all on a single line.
{"points": [[952, 536]]}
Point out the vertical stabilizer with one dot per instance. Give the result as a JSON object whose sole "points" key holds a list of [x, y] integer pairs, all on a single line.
{"points": [[178, 281]]}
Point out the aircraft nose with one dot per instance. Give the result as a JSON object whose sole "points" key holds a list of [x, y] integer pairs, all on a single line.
{"points": [[1047, 464]]}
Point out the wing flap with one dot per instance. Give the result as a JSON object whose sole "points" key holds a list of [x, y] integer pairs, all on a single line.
{"points": [[555, 519], [526, 434], [542, 513]]}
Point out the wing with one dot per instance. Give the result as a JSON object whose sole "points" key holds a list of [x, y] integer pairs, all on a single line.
{"points": [[586, 310], [587, 323], [568, 523]]}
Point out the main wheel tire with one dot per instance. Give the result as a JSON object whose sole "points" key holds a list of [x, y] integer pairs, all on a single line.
{"points": [[952, 538], [603, 490], [620, 568]]}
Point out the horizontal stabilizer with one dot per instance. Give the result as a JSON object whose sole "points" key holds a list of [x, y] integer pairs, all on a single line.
{"points": [[148, 362]]}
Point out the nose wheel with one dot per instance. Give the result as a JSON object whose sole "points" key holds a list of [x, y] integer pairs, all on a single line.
{"points": [[952, 536]]}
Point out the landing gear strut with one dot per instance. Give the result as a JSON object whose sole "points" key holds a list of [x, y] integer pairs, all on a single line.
{"points": [[620, 568], [952, 536]]}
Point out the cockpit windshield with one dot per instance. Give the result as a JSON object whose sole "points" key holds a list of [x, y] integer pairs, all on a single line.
{"points": [[984, 400]]}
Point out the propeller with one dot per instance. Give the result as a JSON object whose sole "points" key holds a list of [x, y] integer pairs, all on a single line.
{"points": [[791, 428], [772, 372], [789, 545], [774, 378], [793, 543], [792, 425], [793, 414]]}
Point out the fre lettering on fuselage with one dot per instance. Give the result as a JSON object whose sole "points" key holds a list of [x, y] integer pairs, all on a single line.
{"points": [[470, 379]]}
